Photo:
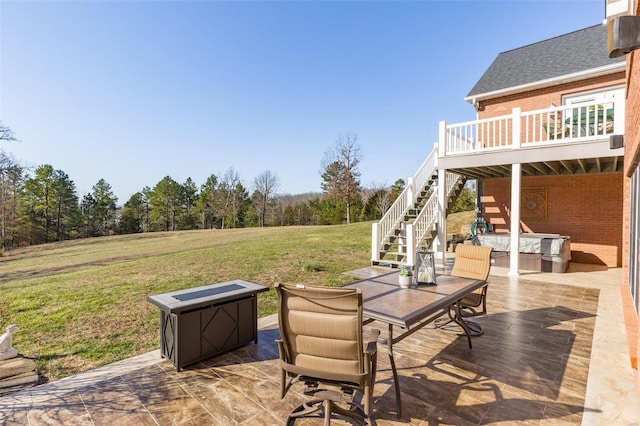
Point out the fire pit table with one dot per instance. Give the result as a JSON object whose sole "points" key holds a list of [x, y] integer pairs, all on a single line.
{"points": [[201, 322]]}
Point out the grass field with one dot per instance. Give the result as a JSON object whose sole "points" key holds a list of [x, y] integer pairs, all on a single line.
{"points": [[82, 304]]}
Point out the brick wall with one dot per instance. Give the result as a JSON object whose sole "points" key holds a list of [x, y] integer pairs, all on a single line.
{"points": [[631, 161], [543, 98], [588, 208]]}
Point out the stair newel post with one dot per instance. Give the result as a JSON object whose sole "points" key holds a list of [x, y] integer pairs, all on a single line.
{"points": [[375, 242], [442, 139], [411, 192], [411, 245], [402, 238]]}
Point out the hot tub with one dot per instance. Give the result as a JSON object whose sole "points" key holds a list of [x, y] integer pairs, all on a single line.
{"points": [[538, 252]]}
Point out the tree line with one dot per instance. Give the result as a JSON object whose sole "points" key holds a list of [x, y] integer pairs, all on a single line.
{"points": [[42, 205]]}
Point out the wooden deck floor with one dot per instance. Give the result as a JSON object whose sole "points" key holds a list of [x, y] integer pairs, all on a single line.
{"points": [[553, 352]]}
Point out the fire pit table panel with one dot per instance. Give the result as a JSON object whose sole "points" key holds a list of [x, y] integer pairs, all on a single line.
{"points": [[201, 322]]}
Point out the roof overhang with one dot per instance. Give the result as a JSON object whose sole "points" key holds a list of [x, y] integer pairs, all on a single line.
{"points": [[567, 78]]}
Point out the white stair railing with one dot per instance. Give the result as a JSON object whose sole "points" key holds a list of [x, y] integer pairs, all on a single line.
{"points": [[426, 170], [383, 230], [428, 216], [425, 220]]}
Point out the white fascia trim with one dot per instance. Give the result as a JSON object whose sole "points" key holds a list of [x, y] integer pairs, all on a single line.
{"points": [[567, 78]]}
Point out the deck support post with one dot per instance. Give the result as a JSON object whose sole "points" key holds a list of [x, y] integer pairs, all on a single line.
{"points": [[441, 244], [516, 180]]}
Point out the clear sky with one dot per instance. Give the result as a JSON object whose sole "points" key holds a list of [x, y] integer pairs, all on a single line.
{"points": [[133, 91]]}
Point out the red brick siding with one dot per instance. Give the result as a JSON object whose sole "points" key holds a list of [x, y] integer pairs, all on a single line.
{"points": [[543, 98], [631, 161], [588, 208]]}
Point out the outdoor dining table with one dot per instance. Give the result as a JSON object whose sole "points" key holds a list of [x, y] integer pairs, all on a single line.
{"points": [[408, 309]]}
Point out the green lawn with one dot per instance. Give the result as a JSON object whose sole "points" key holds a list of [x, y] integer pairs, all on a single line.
{"points": [[81, 304]]}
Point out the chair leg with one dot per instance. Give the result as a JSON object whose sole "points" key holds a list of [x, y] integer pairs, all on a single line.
{"points": [[307, 409], [325, 408], [458, 320], [474, 328], [327, 412], [470, 328], [464, 326]]}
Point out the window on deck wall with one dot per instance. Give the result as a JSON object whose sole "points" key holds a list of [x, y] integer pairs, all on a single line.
{"points": [[593, 113]]}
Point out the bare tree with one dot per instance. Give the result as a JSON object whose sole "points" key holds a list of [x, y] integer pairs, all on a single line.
{"points": [[341, 177], [379, 195], [383, 201], [11, 182], [6, 134], [228, 195], [266, 186]]}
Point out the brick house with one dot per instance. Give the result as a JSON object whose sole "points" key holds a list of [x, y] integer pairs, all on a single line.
{"points": [[584, 203], [554, 150], [543, 151]]}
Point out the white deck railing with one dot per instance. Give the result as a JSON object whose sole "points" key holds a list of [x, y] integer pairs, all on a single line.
{"points": [[556, 125]]}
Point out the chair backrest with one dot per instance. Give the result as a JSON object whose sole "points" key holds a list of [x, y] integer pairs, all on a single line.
{"points": [[321, 328], [472, 261]]}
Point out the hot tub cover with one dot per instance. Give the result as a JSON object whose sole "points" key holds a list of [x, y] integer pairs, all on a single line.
{"points": [[546, 244]]}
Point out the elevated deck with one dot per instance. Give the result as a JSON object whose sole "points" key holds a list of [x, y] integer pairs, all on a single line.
{"points": [[558, 140]]}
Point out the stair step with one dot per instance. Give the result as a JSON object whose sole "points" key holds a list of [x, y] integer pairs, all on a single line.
{"points": [[388, 263], [393, 257]]}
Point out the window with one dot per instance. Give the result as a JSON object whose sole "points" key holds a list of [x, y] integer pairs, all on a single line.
{"points": [[594, 111]]}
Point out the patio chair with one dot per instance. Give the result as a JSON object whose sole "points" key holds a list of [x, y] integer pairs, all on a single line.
{"points": [[556, 132], [471, 261], [321, 344]]}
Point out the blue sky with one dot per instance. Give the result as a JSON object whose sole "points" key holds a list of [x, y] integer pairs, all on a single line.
{"points": [[133, 91]]}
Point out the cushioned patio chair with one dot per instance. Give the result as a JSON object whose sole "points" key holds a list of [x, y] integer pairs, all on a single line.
{"points": [[471, 261], [556, 132], [321, 344]]}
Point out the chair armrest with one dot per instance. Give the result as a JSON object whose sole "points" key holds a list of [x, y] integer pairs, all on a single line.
{"points": [[372, 342], [281, 350]]}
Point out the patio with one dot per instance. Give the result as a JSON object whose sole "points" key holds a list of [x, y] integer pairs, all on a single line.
{"points": [[554, 352]]}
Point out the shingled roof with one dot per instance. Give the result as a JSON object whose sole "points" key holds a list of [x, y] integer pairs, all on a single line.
{"points": [[567, 54]]}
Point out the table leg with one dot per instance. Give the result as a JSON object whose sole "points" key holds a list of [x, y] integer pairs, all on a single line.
{"points": [[396, 382]]}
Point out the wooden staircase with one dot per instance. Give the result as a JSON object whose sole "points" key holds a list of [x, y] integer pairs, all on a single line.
{"points": [[411, 222]]}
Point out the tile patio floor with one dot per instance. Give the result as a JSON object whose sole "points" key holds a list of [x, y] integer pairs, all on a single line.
{"points": [[554, 352]]}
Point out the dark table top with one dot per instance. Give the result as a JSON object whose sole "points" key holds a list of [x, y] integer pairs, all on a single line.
{"points": [[384, 300]]}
